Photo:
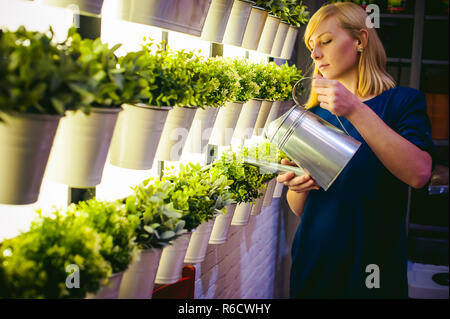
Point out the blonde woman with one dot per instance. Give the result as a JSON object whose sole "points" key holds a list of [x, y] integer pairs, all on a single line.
{"points": [[351, 241]]}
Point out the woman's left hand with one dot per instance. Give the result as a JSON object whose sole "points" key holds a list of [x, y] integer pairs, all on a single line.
{"points": [[335, 97]]}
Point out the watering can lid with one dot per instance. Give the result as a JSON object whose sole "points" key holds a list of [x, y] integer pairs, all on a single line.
{"points": [[271, 131]]}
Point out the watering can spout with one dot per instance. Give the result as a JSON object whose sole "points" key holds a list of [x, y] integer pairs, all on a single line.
{"points": [[313, 144]]}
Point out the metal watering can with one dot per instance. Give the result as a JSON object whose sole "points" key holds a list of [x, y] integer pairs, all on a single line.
{"points": [[319, 148]]}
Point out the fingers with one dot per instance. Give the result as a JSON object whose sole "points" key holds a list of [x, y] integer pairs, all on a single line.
{"points": [[322, 82], [285, 177], [303, 190], [300, 180], [285, 161]]}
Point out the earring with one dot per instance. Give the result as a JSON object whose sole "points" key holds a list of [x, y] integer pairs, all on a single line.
{"points": [[360, 50]]}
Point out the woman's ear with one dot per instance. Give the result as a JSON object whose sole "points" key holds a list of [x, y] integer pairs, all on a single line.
{"points": [[363, 39]]}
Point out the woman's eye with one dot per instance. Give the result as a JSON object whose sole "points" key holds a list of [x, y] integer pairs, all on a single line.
{"points": [[326, 42]]}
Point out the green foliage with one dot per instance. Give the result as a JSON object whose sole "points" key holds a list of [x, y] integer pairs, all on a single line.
{"points": [[159, 221], [32, 72], [115, 228], [246, 180], [34, 263], [93, 76], [248, 87], [288, 76], [180, 78], [268, 77], [228, 78], [198, 193], [292, 11], [139, 75]]}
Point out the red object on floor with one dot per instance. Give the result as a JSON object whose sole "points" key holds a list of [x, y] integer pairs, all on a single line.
{"points": [[182, 289]]}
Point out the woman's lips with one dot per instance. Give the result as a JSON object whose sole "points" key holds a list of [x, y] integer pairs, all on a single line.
{"points": [[323, 66]]}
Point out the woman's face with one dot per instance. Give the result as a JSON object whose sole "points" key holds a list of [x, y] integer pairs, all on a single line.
{"points": [[333, 50]]}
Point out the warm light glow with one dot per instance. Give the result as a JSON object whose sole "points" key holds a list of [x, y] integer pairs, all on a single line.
{"points": [[180, 41], [117, 182], [258, 57], [35, 17], [130, 35], [231, 51]]}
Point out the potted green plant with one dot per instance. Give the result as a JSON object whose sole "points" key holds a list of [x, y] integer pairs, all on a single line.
{"points": [[255, 27], [59, 257], [268, 77], [139, 126], [199, 197], [116, 229], [248, 95], [159, 224], [184, 84], [237, 22], [33, 98], [217, 20], [228, 116], [83, 138], [289, 76], [226, 78], [296, 14], [271, 26]]}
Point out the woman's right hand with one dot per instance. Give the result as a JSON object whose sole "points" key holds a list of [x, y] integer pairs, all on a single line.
{"points": [[298, 184]]}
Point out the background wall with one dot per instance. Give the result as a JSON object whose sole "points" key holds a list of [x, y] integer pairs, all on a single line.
{"points": [[255, 261]]}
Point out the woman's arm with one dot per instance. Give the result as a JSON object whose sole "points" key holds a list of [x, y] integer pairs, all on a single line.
{"points": [[296, 201], [299, 187], [402, 158]]}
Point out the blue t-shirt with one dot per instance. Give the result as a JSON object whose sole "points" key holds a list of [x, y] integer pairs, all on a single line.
{"points": [[361, 220]]}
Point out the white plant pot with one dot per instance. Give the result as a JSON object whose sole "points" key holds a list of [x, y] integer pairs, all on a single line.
{"points": [[273, 113], [254, 28], [186, 16], [225, 124], [216, 20], [25, 144], [264, 111], [278, 190], [269, 192], [172, 258], [268, 34], [289, 43], [256, 209], [82, 6], [280, 37], [174, 134], [247, 119], [81, 146], [221, 226], [198, 243], [237, 22], [138, 279], [111, 290], [136, 136], [201, 129], [241, 215]]}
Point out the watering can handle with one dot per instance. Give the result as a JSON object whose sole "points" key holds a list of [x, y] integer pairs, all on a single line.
{"points": [[294, 89]]}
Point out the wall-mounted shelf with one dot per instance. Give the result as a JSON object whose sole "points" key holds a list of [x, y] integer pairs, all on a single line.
{"points": [[440, 142], [396, 16], [436, 17]]}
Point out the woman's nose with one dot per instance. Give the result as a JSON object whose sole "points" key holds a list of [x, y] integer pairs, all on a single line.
{"points": [[316, 54]]}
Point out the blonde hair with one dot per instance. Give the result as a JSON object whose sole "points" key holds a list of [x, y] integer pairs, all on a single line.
{"points": [[373, 78]]}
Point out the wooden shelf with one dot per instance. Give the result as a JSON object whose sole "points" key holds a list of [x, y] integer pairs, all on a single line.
{"points": [[428, 228], [399, 60], [435, 62], [397, 16], [440, 142], [436, 17]]}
